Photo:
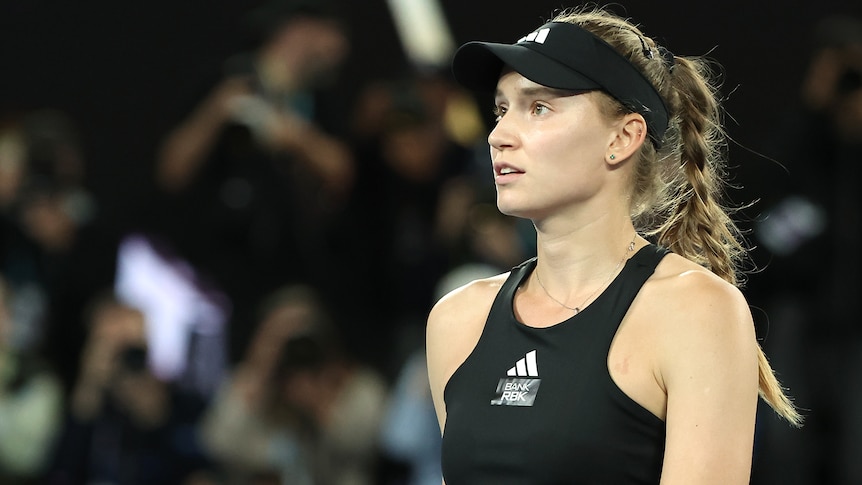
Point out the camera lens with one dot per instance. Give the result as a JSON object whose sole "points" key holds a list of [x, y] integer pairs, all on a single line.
{"points": [[134, 359], [850, 81]]}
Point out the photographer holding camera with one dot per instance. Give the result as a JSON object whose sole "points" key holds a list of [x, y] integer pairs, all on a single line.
{"points": [[124, 424], [114, 368], [296, 409]]}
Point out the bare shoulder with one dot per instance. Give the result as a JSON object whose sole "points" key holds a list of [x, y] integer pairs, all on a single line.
{"points": [[697, 314], [680, 284], [456, 321], [454, 326], [458, 308]]}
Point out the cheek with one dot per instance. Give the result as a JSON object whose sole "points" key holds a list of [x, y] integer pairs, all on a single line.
{"points": [[571, 149], [570, 166]]}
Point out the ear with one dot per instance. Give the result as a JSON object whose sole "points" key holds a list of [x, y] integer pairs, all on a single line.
{"points": [[630, 134]]}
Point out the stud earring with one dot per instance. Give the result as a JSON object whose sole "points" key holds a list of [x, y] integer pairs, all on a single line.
{"points": [[613, 157]]}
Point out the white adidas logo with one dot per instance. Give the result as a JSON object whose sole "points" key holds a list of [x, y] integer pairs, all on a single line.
{"points": [[525, 367], [538, 36]]}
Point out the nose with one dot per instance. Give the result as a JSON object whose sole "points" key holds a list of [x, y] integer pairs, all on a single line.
{"points": [[502, 136]]}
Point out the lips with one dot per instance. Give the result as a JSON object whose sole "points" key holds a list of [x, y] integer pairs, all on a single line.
{"points": [[501, 169]]}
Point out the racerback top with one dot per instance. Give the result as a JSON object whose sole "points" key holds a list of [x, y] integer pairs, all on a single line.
{"points": [[537, 406]]}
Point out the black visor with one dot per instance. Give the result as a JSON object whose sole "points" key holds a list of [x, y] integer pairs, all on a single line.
{"points": [[561, 55]]}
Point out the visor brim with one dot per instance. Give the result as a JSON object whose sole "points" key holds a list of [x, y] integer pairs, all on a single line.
{"points": [[478, 65]]}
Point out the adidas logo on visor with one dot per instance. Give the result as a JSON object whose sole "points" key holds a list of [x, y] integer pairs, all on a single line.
{"points": [[538, 36]]}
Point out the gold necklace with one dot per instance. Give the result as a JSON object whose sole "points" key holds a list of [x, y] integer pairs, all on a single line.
{"points": [[577, 309]]}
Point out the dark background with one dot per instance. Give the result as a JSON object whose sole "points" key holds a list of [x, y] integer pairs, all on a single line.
{"points": [[127, 71]]}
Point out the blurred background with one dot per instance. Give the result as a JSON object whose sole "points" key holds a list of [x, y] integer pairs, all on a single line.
{"points": [[224, 223]]}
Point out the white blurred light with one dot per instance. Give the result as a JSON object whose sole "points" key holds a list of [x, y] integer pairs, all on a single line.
{"points": [[424, 33], [790, 224]]}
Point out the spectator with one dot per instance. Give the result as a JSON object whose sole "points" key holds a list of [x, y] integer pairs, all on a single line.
{"points": [[409, 210], [124, 424], [296, 407], [31, 400], [56, 246], [255, 173]]}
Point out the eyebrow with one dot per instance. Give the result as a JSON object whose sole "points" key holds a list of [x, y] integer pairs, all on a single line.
{"points": [[533, 91]]}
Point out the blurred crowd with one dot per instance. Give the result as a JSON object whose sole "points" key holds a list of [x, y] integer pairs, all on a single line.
{"points": [[298, 244], [304, 239]]}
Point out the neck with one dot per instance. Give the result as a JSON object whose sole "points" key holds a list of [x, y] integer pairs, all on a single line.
{"points": [[583, 252], [572, 274]]}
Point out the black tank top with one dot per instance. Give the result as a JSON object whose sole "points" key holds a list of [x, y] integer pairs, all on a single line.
{"points": [[538, 405]]}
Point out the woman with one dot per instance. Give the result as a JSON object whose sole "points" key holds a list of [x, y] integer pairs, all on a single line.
{"points": [[608, 358]]}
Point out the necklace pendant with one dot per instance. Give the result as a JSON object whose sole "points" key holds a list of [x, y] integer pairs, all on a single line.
{"points": [[577, 310]]}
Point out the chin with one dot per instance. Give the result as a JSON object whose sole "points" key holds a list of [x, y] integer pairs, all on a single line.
{"points": [[509, 208], [522, 208]]}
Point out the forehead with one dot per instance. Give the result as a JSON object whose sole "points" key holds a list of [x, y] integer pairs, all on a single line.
{"points": [[513, 84]]}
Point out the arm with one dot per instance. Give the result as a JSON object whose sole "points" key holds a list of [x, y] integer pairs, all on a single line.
{"points": [[185, 149], [326, 156], [707, 364], [454, 326], [438, 359], [234, 430], [350, 430], [98, 366], [453, 329]]}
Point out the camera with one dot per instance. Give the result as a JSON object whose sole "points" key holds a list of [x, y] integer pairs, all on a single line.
{"points": [[134, 359], [849, 81]]}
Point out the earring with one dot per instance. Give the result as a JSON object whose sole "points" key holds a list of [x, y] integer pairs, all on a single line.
{"points": [[613, 157]]}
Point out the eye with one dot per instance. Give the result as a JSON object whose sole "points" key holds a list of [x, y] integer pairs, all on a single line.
{"points": [[540, 109], [499, 111]]}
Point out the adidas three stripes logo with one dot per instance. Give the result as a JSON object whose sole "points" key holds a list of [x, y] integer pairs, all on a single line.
{"points": [[525, 367]]}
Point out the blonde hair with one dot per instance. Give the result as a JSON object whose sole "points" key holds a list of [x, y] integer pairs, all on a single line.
{"points": [[678, 188]]}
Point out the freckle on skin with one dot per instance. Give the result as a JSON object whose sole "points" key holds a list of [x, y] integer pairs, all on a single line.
{"points": [[623, 367]]}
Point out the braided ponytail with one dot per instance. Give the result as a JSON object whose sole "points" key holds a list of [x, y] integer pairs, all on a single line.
{"points": [[678, 189], [700, 228]]}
